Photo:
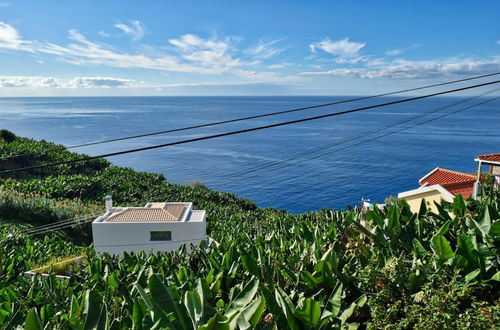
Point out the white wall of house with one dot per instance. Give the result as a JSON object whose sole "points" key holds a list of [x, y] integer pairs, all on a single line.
{"points": [[118, 237], [431, 194]]}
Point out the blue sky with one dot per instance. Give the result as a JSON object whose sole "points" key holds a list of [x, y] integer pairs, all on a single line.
{"points": [[63, 48]]}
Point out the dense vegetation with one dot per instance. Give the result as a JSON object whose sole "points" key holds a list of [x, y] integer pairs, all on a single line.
{"points": [[264, 268]]}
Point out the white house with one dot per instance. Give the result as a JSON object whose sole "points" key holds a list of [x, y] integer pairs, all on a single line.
{"points": [[152, 228]]}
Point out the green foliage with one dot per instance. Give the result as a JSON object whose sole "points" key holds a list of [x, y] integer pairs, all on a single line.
{"points": [[42, 152], [440, 304], [7, 136], [263, 268]]}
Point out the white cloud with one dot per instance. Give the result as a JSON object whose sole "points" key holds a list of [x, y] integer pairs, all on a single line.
{"points": [[26, 85], [345, 51], [267, 76], [28, 82], [498, 42], [211, 54], [191, 53], [38, 82], [104, 34], [99, 82], [280, 65], [10, 38], [135, 29], [350, 60], [415, 69], [228, 88], [396, 52], [341, 48], [265, 49], [317, 66]]}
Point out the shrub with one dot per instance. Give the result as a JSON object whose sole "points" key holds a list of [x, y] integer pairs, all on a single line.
{"points": [[439, 305], [7, 136]]}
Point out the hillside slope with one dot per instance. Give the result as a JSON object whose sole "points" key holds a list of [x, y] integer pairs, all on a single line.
{"points": [[265, 268]]}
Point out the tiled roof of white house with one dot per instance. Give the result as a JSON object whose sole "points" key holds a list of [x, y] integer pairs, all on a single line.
{"points": [[152, 212]]}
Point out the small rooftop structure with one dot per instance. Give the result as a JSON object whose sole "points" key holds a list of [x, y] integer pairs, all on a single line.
{"points": [[155, 227], [489, 158], [493, 161]]}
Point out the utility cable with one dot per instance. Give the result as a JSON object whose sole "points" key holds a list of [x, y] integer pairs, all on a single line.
{"points": [[251, 117], [384, 135], [59, 224], [273, 163], [56, 226], [249, 129], [69, 225], [61, 227]]}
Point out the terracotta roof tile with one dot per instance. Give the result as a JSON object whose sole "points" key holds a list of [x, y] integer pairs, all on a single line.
{"points": [[169, 212], [491, 157], [443, 176], [463, 188]]}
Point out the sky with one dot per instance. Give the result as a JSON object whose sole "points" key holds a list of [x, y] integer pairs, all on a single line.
{"points": [[219, 47]]}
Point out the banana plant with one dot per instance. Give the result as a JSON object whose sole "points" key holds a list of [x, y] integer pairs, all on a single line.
{"points": [[309, 313], [92, 314], [166, 309]]}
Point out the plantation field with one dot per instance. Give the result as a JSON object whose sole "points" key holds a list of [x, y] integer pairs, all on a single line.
{"points": [[264, 268]]}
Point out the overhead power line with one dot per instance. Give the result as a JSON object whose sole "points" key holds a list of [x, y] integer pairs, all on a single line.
{"points": [[250, 129], [69, 225], [274, 163], [58, 225], [79, 221], [251, 117], [384, 135]]}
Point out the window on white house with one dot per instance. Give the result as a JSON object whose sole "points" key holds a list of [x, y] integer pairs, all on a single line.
{"points": [[160, 235]]}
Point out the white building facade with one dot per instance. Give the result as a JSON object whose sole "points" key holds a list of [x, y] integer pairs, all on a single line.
{"points": [[153, 228]]}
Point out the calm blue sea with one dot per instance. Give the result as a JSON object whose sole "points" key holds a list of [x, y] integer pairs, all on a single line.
{"points": [[374, 169]]}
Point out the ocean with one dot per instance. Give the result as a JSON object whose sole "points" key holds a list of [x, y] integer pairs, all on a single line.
{"points": [[335, 176]]}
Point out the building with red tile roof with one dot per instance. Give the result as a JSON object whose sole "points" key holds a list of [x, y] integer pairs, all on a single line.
{"points": [[443, 176], [460, 188], [438, 185], [442, 184]]}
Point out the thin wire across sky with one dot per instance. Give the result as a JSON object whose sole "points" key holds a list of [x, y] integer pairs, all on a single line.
{"points": [[258, 128], [272, 166], [256, 116], [63, 224]]}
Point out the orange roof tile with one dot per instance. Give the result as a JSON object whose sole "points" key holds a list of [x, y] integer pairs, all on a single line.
{"points": [[491, 157], [463, 188], [443, 176], [169, 212]]}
